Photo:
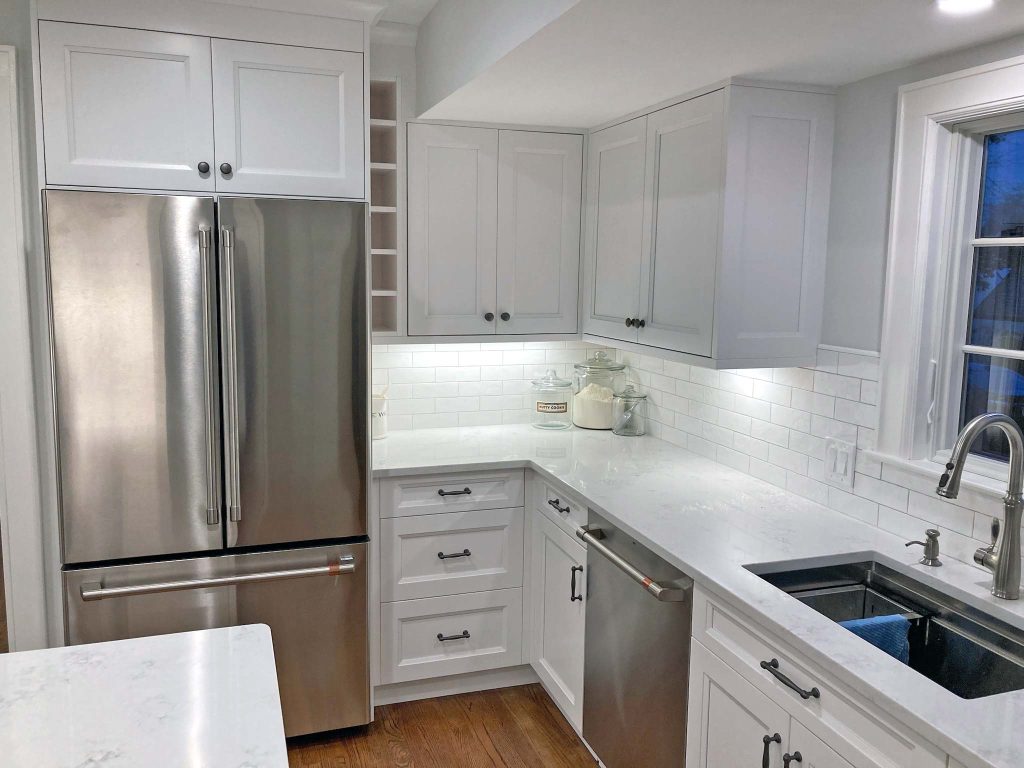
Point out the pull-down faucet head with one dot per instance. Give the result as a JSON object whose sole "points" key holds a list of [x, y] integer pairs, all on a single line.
{"points": [[949, 483]]}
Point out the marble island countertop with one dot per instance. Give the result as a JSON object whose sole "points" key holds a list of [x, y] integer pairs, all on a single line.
{"points": [[711, 521], [203, 699]]}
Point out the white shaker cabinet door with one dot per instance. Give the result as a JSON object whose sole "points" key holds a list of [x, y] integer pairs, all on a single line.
{"points": [[614, 230], [682, 214], [778, 172], [728, 717], [125, 107], [453, 211], [289, 120], [559, 615], [815, 753], [539, 197]]}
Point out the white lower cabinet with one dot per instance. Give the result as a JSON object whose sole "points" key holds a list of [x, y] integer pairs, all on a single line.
{"points": [[450, 635], [813, 752], [728, 718], [557, 600]]}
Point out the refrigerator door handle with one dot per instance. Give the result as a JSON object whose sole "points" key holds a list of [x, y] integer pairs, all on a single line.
{"points": [[227, 265], [212, 471], [94, 591]]}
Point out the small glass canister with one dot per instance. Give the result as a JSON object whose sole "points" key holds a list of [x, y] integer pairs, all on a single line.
{"points": [[552, 402], [629, 412]]}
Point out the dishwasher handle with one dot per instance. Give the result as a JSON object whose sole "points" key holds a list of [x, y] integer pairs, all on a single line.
{"points": [[667, 594], [92, 591]]}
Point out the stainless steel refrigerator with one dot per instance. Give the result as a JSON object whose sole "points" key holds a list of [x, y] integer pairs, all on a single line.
{"points": [[211, 395]]}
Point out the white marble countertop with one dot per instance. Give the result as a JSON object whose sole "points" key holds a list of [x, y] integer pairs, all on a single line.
{"points": [[205, 699], [710, 521]]}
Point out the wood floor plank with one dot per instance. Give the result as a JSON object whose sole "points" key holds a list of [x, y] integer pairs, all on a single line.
{"points": [[516, 727]]}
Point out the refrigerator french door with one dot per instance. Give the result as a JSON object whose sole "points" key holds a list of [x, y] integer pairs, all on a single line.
{"points": [[211, 399]]}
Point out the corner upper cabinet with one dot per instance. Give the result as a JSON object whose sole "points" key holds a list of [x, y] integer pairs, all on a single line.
{"points": [[453, 220], [135, 109], [289, 120], [730, 264], [494, 231], [614, 241], [126, 107]]}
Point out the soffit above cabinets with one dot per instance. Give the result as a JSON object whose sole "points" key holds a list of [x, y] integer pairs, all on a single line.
{"points": [[602, 59]]}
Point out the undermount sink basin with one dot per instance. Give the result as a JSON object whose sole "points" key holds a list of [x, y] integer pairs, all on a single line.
{"points": [[957, 646]]}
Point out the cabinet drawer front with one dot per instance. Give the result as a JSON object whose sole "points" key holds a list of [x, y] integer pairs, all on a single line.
{"points": [[486, 631], [565, 511], [848, 725], [425, 556], [430, 494]]}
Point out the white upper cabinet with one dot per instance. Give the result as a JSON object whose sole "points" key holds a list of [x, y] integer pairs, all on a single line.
{"points": [[453, 212], [289, 120], [682, 203], [615, 216], [539, 189], [494, 228], [126, 108], [136, 109], [728, 254]]}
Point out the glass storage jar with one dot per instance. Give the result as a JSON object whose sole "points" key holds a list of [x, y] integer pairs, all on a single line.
{"points": [[629, 412], [595, 382], [552, 402]]}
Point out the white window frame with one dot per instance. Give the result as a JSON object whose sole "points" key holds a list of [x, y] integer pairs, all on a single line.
{"points": [[936, 178]]}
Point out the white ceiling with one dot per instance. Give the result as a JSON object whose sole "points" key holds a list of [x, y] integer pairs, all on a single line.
{"points": [[606, 58], [407, 11]]}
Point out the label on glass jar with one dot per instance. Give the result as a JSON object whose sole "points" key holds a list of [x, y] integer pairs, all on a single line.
{"points": [[552, 407]]}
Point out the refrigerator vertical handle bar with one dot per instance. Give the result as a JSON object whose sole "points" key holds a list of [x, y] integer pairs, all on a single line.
{"points": [[230, 375], [212, 500]]}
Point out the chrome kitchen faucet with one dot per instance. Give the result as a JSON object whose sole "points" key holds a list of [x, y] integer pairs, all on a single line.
{"points": [[1004, 564]]}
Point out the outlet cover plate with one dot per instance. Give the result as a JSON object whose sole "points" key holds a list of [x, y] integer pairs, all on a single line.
{"points": [[840, 461]]}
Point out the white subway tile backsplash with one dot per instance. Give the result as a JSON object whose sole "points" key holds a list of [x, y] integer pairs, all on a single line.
{"points": [[770, 423]]}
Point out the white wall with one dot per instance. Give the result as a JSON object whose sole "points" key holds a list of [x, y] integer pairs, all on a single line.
{"points": [[861, 181], [459, 39]]}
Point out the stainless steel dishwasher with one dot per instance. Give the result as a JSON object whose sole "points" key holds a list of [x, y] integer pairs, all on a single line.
{"points": [[637, 651]]}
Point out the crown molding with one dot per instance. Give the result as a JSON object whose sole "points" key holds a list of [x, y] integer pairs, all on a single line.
{"points": [[393, 33]]}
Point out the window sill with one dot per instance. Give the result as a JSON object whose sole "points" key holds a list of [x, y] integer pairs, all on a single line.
{"points": [[986, 486]]}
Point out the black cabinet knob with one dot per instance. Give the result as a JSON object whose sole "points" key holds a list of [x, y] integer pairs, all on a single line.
{"points": [[489, 316], [629, 322], [225, 168], [639, 323], [506, 316], [203, 167]]}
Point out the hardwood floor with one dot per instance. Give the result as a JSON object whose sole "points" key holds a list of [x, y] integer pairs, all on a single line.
{"points": [[508, 728]]}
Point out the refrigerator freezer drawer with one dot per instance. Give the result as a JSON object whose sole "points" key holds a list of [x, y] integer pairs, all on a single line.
{"points": [[313, 600]]}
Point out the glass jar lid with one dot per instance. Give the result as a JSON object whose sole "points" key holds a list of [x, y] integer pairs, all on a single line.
{"points": [[629, 392], [600, 362], [551, 380]]}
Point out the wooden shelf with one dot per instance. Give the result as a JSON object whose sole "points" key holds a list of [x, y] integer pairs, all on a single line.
{"points": [[384, 293], [384, 251], [386, 303], [377, 122], [383, 166], [383, 209]]}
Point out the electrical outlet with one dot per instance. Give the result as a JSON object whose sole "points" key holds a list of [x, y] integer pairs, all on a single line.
{"points": [[840, 461]]}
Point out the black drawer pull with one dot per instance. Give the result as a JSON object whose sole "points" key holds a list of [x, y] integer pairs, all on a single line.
{"points": [[572, 583], [773, 667], [463, 492], [768, 741], [787, 758], [446, 638], [443, 556], [554, 503]]}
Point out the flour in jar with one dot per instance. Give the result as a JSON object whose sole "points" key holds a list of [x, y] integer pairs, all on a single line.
{"points": [[592, 407]]}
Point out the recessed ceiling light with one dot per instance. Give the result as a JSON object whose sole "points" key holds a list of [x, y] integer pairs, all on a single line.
{"points": [[964, 7]]}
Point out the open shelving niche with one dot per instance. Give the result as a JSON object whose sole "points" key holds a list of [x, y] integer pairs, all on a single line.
{"points": [[385, 208]]}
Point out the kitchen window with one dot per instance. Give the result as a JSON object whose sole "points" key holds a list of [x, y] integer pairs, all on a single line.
{"points": [[986, 369], [953, 330]]}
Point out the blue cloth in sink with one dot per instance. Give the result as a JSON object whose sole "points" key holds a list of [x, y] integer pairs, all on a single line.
{"points": [[889, 633]]}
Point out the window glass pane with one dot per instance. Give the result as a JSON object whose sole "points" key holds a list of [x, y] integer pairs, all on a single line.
{"points": [[1001, 213], [992, 385], [996, 316]]}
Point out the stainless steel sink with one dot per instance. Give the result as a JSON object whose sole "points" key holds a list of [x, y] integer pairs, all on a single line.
{"points": [[962, 649]]}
